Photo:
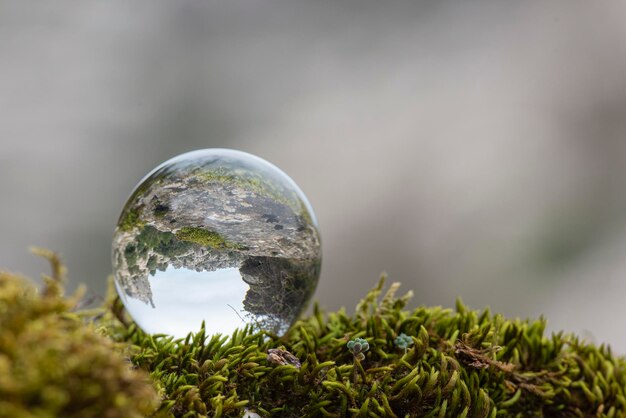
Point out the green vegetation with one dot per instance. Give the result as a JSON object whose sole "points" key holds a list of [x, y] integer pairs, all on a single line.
{"points": [[55, 363], [155, 248], [253, 182], [459, 363], [358, 347], [149, 240], [205, 238], [130, 219], [403, 341]]}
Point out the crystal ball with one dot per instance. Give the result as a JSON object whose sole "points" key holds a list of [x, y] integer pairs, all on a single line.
{"points": [[219, 236]]}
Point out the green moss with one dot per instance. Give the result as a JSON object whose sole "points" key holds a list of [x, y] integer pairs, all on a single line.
{"points": [[458, 363], [55, 362], [130, 219], [253, 182], [205, 238]]}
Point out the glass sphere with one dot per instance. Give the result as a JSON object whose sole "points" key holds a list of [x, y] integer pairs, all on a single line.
{"points": [[219, 236]]}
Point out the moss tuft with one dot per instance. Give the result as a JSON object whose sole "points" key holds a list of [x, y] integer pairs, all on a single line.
{"points": [[204, 237], [130, 219], [459, 363], [427, 361], [54, 363]]}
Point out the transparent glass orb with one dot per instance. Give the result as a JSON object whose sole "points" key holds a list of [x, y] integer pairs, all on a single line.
{"points": [[219, 236]]}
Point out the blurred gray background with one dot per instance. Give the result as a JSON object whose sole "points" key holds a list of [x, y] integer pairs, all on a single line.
{"points": [[473, 149]]}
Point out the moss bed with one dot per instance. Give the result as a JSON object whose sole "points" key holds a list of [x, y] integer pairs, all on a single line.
{"points": [[58, 359]]}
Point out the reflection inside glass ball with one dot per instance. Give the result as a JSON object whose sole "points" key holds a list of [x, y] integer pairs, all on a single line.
{"points": [[219, 236]]}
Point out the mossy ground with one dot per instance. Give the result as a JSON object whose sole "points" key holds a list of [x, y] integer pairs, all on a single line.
{"points": [[205, 238], [461, 363]]}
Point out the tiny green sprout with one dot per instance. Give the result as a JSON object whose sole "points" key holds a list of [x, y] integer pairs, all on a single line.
{"points": [[403, 341], [357, 347]]}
